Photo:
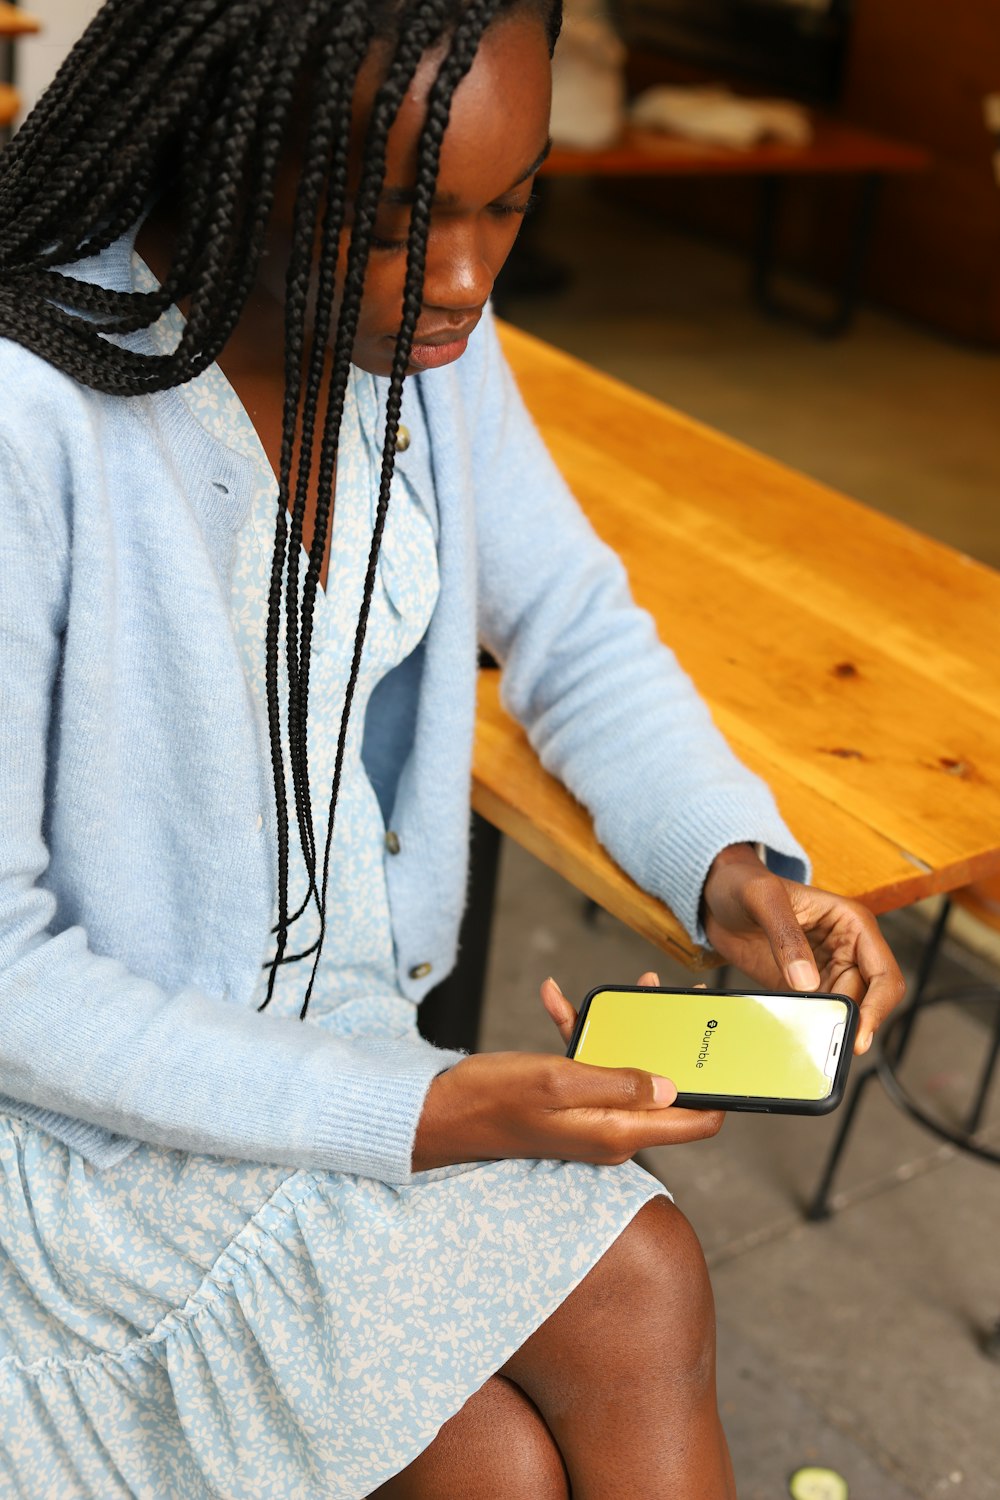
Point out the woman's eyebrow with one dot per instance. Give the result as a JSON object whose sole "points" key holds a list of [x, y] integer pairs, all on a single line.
{"points": [[403, 197]]}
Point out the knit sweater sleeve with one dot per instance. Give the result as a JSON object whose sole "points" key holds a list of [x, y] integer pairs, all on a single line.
{"points": [[604, 702], [84, 1039]]}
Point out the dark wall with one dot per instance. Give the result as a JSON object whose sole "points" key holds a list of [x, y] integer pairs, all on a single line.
{"points": [[795, 48]]}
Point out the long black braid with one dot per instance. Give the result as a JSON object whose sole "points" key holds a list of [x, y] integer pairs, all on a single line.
{"points": [[197, 99]]}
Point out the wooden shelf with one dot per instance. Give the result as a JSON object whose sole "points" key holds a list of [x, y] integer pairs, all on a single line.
{"points": [[15, 22], [835, 148]]}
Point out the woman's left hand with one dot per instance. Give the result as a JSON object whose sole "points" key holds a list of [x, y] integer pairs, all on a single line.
{"points": [[791, 935]]}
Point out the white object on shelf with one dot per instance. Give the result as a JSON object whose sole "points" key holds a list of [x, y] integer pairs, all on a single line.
{"points": [[711, 112], [588, 79]]}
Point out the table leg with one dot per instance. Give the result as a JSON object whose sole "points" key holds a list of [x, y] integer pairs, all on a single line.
{"points": [[450, 1015], [768, 203], [846, 296], [857, 253]]}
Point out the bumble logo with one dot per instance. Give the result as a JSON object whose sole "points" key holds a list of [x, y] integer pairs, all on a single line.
{"points": [[705, 1042]]}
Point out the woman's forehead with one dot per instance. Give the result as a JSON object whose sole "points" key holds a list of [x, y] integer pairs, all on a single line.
{"points": [[498, 121]]}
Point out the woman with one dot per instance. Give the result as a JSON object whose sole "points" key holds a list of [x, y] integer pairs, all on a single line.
{"points": [[257, 1238]]}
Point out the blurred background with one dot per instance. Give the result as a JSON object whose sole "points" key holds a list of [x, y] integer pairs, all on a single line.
{"points": [[649, 277], [844, 318]]}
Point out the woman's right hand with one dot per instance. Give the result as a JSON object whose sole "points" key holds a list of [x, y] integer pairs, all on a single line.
{"points": [[498, 1105]]}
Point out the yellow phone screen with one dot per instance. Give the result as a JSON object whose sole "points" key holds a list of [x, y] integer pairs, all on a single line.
{"points": [[750, 1046]]}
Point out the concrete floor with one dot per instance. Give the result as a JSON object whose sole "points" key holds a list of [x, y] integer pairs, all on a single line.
{"points": [[853, 1343]]}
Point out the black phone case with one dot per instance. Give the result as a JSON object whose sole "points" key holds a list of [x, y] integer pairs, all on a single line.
{"points": [[749, 1105]]}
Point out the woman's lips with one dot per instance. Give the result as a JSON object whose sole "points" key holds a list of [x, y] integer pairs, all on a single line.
{"points": [[431, 356]]}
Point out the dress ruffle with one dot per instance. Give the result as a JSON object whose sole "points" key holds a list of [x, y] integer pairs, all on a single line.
{"points": [[288, 1371]]}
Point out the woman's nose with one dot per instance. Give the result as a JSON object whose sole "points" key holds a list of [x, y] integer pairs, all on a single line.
{"points": [[458, 276]]}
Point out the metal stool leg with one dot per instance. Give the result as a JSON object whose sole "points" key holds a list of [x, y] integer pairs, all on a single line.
{"points": [[819, 1208], [976, 1113], [991, 1343]]}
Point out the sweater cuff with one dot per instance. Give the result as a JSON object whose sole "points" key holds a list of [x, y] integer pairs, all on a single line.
{"points": [[352, 1137], [683, 857]]}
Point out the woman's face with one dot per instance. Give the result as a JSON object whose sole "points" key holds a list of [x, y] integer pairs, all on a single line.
{"points": [[496, 139]]}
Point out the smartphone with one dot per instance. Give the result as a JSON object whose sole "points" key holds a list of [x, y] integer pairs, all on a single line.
{"points": [[756, 1050]]}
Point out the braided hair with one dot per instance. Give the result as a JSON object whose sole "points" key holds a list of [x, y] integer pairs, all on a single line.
{"points": [[196, 97]]}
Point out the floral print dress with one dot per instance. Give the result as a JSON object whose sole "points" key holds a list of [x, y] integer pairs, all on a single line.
{"points": [[182, 1326]]}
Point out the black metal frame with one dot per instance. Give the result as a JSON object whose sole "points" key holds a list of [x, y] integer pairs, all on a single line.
{"points": [[888, 1060], [839, 320], [819, 1208], [889, 1049]]}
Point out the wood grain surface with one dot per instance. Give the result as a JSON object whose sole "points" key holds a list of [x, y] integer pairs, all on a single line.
{"points": [[850, 660]]}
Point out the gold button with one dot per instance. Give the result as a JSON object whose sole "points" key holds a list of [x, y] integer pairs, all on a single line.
{"points": [[392, 841], [402, 439], [420, 971]]}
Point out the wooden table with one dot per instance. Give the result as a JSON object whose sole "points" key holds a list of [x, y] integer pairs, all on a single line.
{"points": [[851, 661], [837, 149]]}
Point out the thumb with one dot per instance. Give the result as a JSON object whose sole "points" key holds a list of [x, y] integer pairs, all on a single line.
{"points": [[766, 901], [593, 1086], [559, 1008]]}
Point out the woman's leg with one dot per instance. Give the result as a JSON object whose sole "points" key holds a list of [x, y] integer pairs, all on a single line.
{"points": [[621, 1380], [623, 1372], [496, 1448]]}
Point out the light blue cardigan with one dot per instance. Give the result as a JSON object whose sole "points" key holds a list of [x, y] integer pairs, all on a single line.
{"points": [[137, 856]]}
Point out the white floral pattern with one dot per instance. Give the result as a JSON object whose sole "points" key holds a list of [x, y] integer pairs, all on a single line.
{"points": [[181, 1327]]}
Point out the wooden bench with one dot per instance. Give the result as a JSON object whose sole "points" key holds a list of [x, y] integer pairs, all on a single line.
{"points": [[836, 150]]}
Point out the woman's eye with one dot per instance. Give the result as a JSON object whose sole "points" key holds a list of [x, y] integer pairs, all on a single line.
{"points": [[391, 231], [503, 209], [387, 243]]}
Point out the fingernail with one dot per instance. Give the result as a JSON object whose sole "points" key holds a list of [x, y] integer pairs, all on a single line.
{"points": [[865, 1042], [664, 1092], [803, 975], [555, 986]]}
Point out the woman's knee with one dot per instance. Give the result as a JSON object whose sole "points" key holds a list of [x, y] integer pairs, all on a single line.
{"points": [[643, 1317], [660, 1265], [497, 1447]]}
